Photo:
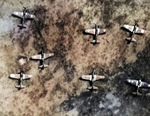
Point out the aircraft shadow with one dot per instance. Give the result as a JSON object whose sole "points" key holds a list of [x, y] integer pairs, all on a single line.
{"points": [[33, 59]]}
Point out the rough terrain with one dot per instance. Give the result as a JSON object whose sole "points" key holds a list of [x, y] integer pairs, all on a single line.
{"points": [[58, 28]]}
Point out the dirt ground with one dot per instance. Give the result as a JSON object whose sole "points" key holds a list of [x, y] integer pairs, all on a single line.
{"points": [[59, 27]]}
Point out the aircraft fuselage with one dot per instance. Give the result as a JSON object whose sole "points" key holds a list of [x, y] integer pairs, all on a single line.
{"points": [[42, 56], [138, 83]]}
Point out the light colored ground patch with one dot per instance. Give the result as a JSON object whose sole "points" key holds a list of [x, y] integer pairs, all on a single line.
{"points": [[111, 103], [64, 24], [22, 61], [73, 112]]}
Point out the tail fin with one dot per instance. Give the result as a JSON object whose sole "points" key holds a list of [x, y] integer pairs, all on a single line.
{"points": [[92, 87], [137, 93], [20, 86], [22, 26], [43, 66], [131, 39]]}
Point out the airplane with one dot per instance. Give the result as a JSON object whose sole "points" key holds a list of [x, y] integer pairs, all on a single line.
{"points": [[96, 31], [92, 78], [21, 76], [134, 30], [42, 57], [139, 84], [24, 16]]}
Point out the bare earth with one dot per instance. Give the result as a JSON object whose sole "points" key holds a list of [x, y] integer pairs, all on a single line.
{"points": [[59, 27]]}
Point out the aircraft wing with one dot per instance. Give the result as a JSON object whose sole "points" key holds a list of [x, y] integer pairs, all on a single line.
{"points": [[26, 76], [98, 77], [87, 77], [48, 55], [18, 14], [36, 57], [128, 27], [92, 31], [92, 87], [140, 31], [144, 84], [100, 31], [133, 82], [27, 15], [15, 76]]}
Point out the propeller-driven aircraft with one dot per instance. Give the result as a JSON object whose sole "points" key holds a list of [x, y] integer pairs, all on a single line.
{"points": [[23, 16], [134, 30], [21, 76], [43, 56], [92, 78], [139, 84], [96, 31]]}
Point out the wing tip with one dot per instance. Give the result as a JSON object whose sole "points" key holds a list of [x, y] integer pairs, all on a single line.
{"points": [[51, 54], [128, 80], [87, 30], [33, 57], [15, 12], [125, 26], [101, 76], [33, 16], [30, 76], [143, 31], [83, 76], [12, 75]]}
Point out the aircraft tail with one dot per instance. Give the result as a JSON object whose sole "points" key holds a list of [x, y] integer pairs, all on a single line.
{"points": [[22, 26], [137, 93], [92, 87], [43, 66], [94, 42], [20, 86], [131, 39]]}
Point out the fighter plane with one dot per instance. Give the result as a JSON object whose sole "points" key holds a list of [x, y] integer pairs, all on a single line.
{"points": [[42, 57], [96, 31], [139, 84], [134, 30], [24, 16], [21, 76], [92, 78]]}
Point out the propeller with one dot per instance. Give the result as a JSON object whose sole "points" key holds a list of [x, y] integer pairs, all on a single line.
{"points": [[95, 25], [136, 22], [25, 9], [139, 76]]}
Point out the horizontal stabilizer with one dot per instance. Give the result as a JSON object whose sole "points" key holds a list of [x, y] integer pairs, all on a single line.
{"points": [[94, 42], [92, 87], [22, 26], [43, 66], [131, 39], [20, 86], [137, 93]]}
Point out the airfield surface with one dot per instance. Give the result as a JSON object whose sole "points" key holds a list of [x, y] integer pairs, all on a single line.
{"points": [[59, 28]]}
